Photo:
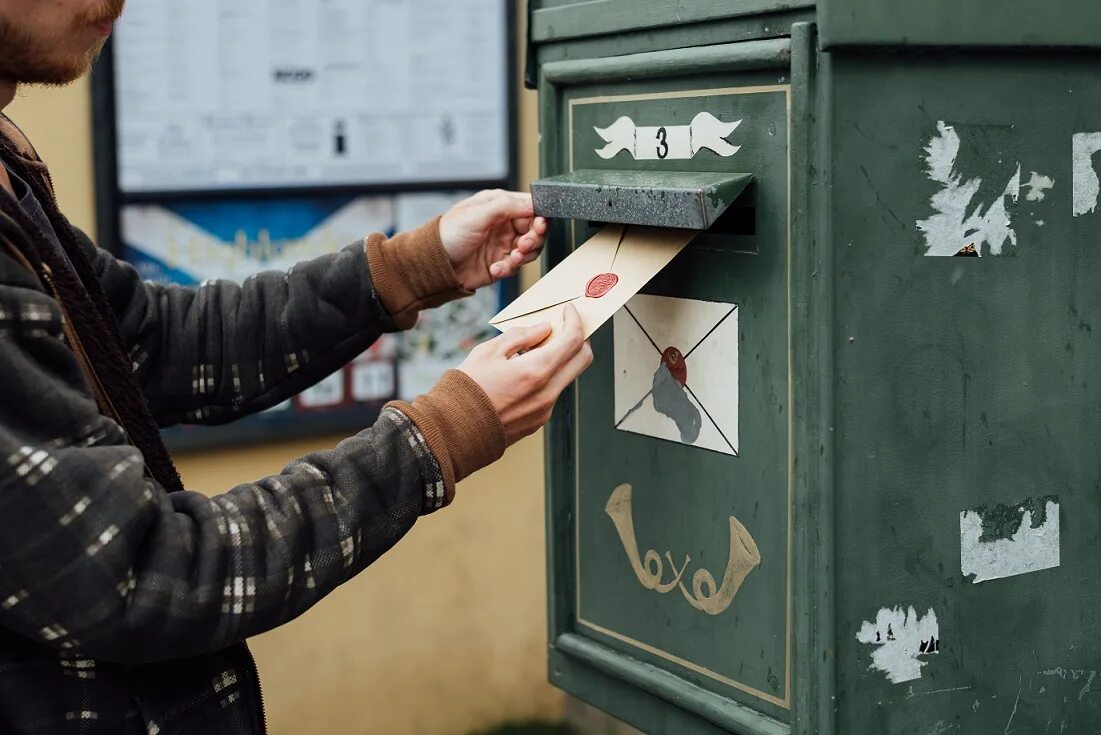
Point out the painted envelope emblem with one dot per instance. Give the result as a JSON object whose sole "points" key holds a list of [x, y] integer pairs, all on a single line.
{"points": [[676, 371], [598, 278]]}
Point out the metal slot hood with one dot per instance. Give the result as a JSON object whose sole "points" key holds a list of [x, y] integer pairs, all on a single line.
{"points": [[683, 199]]}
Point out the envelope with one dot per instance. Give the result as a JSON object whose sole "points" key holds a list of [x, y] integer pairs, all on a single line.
{"points": [[598, 278], [676, 371]]}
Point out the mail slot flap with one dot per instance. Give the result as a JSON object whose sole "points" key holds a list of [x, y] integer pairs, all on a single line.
{"points": [[682, 199]]}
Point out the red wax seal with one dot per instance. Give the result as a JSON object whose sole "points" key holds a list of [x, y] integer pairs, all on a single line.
{"points": [[600, 285], [673, 360]]}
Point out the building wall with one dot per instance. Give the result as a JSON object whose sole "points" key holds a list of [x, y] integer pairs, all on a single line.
{"points": [[447, 632]]}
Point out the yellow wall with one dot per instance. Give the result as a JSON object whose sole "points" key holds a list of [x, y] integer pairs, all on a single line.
{"points": [[59, 122], [444, 634]]}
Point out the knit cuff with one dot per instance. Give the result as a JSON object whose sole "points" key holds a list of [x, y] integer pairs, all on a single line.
{"points": [[460, 425], [411, 271]]}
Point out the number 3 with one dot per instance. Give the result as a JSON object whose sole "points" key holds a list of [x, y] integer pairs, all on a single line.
{"points": [[663, 146]]}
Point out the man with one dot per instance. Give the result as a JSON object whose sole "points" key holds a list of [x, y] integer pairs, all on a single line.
{"points": [[125, 600]]}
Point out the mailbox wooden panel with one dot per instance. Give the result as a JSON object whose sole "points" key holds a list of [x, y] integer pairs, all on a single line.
{"points": [[672, 531]]}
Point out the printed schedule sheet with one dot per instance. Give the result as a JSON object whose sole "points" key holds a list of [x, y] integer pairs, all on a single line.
{"points": [[268, 94]]}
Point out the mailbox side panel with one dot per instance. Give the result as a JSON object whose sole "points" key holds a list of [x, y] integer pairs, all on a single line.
{"points": [[967, 258]]}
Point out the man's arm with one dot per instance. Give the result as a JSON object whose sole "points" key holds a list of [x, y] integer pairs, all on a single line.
{"points": [[220, 351], [97, 558]]}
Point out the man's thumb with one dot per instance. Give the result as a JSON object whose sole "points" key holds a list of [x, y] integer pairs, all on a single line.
{"points": [[518, 339]]}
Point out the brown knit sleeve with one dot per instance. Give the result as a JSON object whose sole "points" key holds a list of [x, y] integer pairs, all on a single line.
{"points": [[460, 425], [411, 271]]}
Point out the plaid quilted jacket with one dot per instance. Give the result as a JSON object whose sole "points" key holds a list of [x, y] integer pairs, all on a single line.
{"points": [[124, 608]]}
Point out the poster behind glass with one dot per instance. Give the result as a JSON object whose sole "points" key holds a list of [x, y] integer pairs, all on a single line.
{"points": [[187, 242], [233, 138]]}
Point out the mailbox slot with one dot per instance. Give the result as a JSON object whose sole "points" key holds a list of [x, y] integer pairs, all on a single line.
{"points": [[738, 221]]}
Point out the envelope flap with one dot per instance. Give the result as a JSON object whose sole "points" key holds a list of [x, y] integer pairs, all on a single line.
{"points": [[621, 260], [567, 280], [645, 251]]}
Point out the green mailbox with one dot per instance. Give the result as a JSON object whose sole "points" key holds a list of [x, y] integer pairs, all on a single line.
{"points": [[835, 469]]}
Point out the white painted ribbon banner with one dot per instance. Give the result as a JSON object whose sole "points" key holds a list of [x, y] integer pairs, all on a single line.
{"points": [[668, 142]]}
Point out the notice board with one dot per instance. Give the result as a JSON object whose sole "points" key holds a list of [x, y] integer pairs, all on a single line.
{"points": [[242, 137]]}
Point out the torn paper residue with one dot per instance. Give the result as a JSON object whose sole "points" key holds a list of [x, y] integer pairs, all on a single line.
{"points": [[958, 223], [1038, 187], [901, 639], [1086, 187], [1007, 540]]}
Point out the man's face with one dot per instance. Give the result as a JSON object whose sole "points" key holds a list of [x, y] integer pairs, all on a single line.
{"points": [[53, 41]]}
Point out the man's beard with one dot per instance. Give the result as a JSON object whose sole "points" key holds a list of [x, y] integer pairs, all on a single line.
{"points": [[27, 60]]}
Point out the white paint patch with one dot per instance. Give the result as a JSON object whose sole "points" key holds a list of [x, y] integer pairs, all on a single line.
{"points": [[676, 371], [1038, 186], [901, 638], [668, 142], [957, 222], [1086, 186], [1029, 550]]}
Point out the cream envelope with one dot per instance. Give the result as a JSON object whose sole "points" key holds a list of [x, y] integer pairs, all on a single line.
{"points": [[597, 278], [676, 371]]}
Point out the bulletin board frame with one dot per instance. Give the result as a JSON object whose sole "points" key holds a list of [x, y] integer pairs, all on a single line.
{"points": [[111, 200], [110, 197]]}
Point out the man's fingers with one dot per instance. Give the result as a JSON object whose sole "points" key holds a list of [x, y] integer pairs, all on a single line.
{"points": [[520, 255], [571, 326], [519, 339], [529, 242], [483, 196], [507, 266], [508, 205], [533, 236], [519, 259]]}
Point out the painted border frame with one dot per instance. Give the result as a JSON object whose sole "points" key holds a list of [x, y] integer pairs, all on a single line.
{"points": [[785, 702]]}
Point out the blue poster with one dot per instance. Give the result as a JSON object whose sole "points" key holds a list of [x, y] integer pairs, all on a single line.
{"points": [[189, 242]]}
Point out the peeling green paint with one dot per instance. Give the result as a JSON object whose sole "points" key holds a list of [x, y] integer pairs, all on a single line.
{"points": [[1002, 521]]}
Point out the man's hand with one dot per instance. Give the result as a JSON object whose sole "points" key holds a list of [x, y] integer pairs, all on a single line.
{"points": [[524, 370], [490, 235]]}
